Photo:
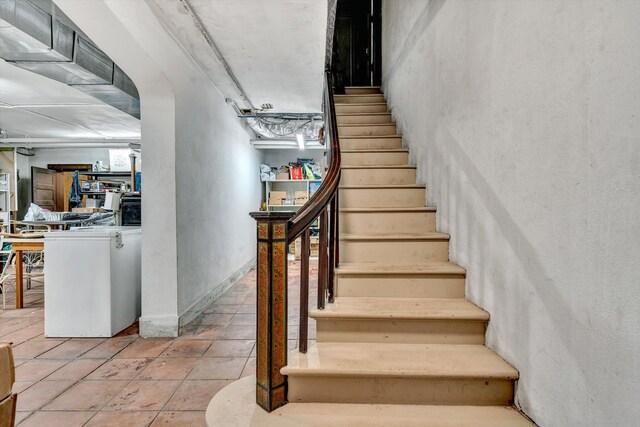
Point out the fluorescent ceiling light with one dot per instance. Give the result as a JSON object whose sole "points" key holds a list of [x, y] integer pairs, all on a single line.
{"points": [[300, 140]]}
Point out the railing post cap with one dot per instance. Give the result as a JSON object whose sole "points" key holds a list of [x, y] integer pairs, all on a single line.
{"points": [[271, 216]]}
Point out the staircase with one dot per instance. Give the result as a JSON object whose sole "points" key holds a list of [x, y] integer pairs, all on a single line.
{"points": [[400, 346], [400, 331]]}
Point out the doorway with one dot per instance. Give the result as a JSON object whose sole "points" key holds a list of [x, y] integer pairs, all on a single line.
{"points": [[357, 44]]}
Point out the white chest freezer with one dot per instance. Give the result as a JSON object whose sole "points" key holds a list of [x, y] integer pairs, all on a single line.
{"points": [[91, 281]]}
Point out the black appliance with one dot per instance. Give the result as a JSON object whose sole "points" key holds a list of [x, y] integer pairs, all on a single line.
{"points": [[131, 209]]}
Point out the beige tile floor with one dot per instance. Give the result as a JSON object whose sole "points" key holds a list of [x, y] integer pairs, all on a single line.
{"points": [[132, 381]]}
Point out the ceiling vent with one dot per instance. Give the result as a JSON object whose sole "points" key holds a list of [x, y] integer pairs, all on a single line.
{"points": [[33, 39]]}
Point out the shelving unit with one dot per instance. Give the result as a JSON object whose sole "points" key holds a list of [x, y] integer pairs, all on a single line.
{"points": [[96, 176], [5, 198], [290, 186]]}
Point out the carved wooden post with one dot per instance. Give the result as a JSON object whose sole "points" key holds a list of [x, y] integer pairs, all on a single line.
{"points": [[271, 344]]}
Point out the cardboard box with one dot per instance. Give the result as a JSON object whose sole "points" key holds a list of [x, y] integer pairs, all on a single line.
{"points": [[282, 176], [277, 194], [314, 247], [300, 201], [300, 194], [277, 197], [7, 370], [86, 210]]}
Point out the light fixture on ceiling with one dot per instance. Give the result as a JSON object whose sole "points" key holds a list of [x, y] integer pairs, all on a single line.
{"points": [[300, 140]]}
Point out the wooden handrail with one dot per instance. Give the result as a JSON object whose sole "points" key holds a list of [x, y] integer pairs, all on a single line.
{"points": [[322, 197], [275, 232]]}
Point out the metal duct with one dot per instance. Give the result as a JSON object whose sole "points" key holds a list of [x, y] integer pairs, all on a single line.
{"points": [[33, 39]]}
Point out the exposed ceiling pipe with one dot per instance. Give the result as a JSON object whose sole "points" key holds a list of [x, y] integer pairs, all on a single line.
{"points": [[280, 126], [79, 140], [251, 114], [68, 145], [216, 51], [70, 142]]}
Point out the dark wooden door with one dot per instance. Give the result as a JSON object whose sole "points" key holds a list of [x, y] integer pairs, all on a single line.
{"points": [[356, 45], [43, 188]]}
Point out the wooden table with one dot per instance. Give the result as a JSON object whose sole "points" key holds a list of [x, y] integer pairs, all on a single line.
{"points": [[19, 246]]}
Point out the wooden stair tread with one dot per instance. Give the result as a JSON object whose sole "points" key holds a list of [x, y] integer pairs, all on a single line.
{"points": [[454, 361], [342, 95], [235, 406], [394, 237], [402, 309], [369, 136], [379, 167], [377, 150], [361, 103], [389, 209], [395, 186], [360, 125], [432, 267], [379, 113]]}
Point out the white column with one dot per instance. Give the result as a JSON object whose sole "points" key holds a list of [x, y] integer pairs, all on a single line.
{"points": [[130, 34]]}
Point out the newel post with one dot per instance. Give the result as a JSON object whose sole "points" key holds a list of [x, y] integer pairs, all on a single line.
{"points": [[271, 344]]}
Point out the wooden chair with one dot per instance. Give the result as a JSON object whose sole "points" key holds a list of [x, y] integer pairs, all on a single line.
{"points": [[32, 260], [7, 256], [8, 399]]}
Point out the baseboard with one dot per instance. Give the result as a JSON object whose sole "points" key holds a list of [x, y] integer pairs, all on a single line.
{"points": [[199, 306], [159, 326]]}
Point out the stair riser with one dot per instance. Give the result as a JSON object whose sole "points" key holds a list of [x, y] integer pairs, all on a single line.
{"points": [[358, 108], [382, 197], [375, 159], [414, 391], [405, 176], [398, 286], [373, 119], [358, 99], [388, 143], [362, 90], [400, 331], [373, 223], [375, 130], [394, 251]]}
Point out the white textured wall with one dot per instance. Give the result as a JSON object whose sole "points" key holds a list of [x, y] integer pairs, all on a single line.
{"points": [[218, 184], [524, 120], [46, 156]]}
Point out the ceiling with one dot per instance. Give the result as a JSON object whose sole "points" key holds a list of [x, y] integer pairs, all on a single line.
{"points": [[275, 48], [34, 106]]}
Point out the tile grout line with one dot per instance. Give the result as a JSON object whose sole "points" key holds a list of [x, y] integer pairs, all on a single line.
{"points": [[74, 384]]}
